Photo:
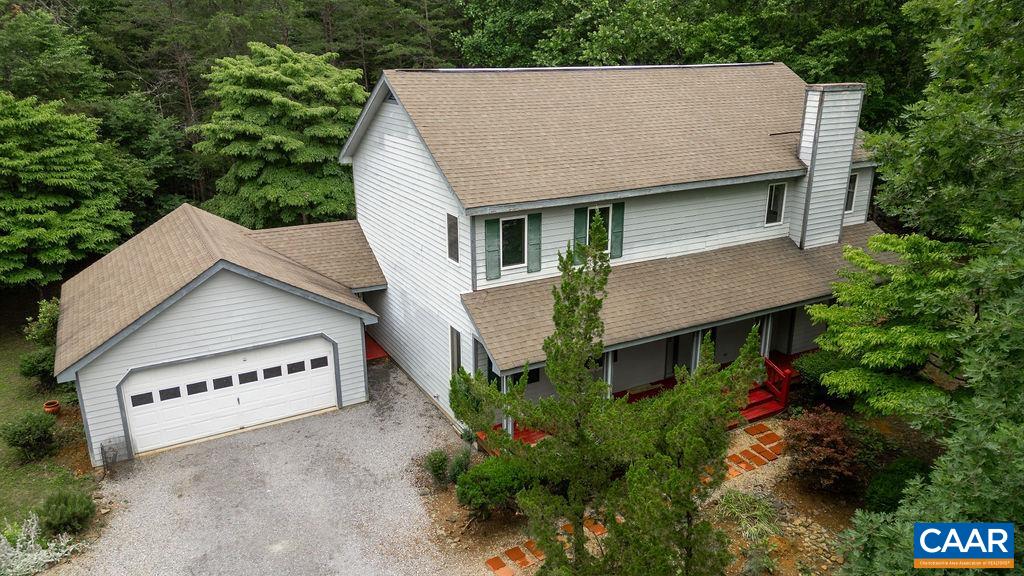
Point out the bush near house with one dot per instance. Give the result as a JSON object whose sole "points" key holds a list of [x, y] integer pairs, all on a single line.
{"points": [[459, 465], [67, 512], [885, 490], [436, 462], [824, 453], [41, 331], [31, 436], [493, 485], [812, 366]]}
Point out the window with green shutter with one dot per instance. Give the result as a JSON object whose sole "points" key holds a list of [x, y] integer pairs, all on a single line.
{"points": [[613, 217], [492, 248], [533, 242]]}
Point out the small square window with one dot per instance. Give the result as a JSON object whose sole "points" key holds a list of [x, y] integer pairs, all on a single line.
{"points": [[170, 393], [223, 382], [247, 377], [272, 372], [196, 388], [318, 362], [513, 241], [142, 399], [776, 203], [296, 367]]}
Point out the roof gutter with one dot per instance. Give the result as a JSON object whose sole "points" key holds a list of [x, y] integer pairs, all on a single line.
{"points": [[620, 194]]}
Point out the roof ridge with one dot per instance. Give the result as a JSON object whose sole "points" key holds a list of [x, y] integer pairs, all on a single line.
{"points": [[585, 68], [303, 226]]}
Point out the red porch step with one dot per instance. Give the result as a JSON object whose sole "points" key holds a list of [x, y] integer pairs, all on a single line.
{"points": [[758, 395], [762, 410]]}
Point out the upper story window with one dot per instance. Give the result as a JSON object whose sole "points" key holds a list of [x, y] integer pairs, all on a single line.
{"points": [[513, 241], [851, 191], [453, 237], [776, 203], [606, 218]]}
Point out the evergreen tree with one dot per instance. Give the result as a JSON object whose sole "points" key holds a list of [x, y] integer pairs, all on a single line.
{"points": [[283, 117], [58, 200]]}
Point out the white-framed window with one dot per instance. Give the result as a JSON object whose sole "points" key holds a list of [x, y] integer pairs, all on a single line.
{"points": [[851, 192], [453, 238], [606, 217], [455, 347], [513, 241], [776, 204]]}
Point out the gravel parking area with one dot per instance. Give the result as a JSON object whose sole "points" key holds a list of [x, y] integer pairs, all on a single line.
{"points": [[327, 494]]}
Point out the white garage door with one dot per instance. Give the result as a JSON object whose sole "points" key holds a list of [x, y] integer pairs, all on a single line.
{"points": [[179, 402]]}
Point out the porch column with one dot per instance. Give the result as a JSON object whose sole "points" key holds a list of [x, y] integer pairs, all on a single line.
{"points": [[695, 353], [506, 421], [766, 334], [608, 372]]}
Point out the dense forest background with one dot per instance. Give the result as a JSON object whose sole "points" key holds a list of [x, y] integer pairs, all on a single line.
{"points": [[140, 69]]}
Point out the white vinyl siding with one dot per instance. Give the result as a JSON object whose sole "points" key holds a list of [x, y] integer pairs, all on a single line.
{"points": [[402, 200], [225, 313], [830, 166], [656, 226]]}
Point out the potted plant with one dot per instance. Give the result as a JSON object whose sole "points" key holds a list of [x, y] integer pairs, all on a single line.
{"points": [[52, 407]]}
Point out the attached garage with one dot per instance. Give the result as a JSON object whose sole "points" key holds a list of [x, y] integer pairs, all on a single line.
{"points": [[197, 327], [193, 399]]}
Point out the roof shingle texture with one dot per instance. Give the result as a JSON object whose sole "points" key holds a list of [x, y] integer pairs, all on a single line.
{"points": [[511, 136], [124, 285], [337, 250], [655, 297]]}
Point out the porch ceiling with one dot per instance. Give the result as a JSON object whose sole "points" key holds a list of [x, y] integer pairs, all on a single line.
{"points": [[667, 295]]}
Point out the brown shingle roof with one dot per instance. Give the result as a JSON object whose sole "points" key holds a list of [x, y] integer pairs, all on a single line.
{"points": [[655, 297], [124, 285], [510, 136], [338, 250]]}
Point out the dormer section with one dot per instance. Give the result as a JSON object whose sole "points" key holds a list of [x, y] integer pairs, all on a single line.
{"points": [[831, 113]]}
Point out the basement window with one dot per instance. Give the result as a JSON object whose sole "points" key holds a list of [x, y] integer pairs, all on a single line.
{"points": [[776, 203]]}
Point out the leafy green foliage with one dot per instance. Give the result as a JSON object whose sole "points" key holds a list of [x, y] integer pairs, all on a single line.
{"points": [[813, 365], [436, 463], [38, 365], [957, 165], [866, 40], [493, 484], [67, 512], [31, 435], [42, 332], [885, 489], [758, 522], [41, 58], [283, 117], [58, 200], [822, 450], [881, 394], [466, 404], [459, 465]]}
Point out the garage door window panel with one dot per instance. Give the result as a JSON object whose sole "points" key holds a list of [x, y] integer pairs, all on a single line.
{"points": [[272, 372], [247, 377], [296, 367], [196, 388], [318, 363], [142, 399], [170, 393], [223, 382]]}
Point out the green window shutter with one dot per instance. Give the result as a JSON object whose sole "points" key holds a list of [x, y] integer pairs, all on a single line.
{"points": [[533, 242], [618, 211], [492, 248], [580, 229]]}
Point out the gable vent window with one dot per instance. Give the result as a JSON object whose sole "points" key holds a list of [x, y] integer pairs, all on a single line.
{"points": [[851, 192], [453, 238], [776, 203]]}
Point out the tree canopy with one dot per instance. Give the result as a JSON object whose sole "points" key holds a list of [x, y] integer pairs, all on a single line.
{"points": [[283, 117]]}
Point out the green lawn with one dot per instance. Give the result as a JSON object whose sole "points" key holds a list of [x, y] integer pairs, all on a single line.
{"points": [[23, 486]]}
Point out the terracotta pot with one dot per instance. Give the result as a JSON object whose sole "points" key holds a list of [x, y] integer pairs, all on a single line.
{"points": [[51, 407]]}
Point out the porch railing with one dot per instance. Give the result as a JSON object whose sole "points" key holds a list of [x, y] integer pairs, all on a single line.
{"points": [[777, 380]]}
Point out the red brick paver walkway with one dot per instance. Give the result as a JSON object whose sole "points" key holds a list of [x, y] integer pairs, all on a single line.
{"points": [[768, 447]]}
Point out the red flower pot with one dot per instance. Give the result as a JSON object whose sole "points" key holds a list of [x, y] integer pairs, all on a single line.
{"points": [[52, 407]]}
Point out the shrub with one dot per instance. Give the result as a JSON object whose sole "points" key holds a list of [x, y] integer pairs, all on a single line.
{"points": [[459, 465], [466, 404], [885, 490], [815, 364], [872, 446], [24, 551], [67, 512], [493, 484], [42, 330], [31, 435], [38, 365], [436, 462], [823, 453]]}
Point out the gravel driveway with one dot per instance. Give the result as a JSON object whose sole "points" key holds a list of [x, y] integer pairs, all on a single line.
{"points": [[327, 494]]}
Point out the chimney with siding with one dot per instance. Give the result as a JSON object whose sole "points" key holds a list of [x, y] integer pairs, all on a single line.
{"points": [[831, 114]]}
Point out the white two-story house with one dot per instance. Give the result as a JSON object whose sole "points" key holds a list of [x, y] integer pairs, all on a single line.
{"points": [[730, 191]]}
